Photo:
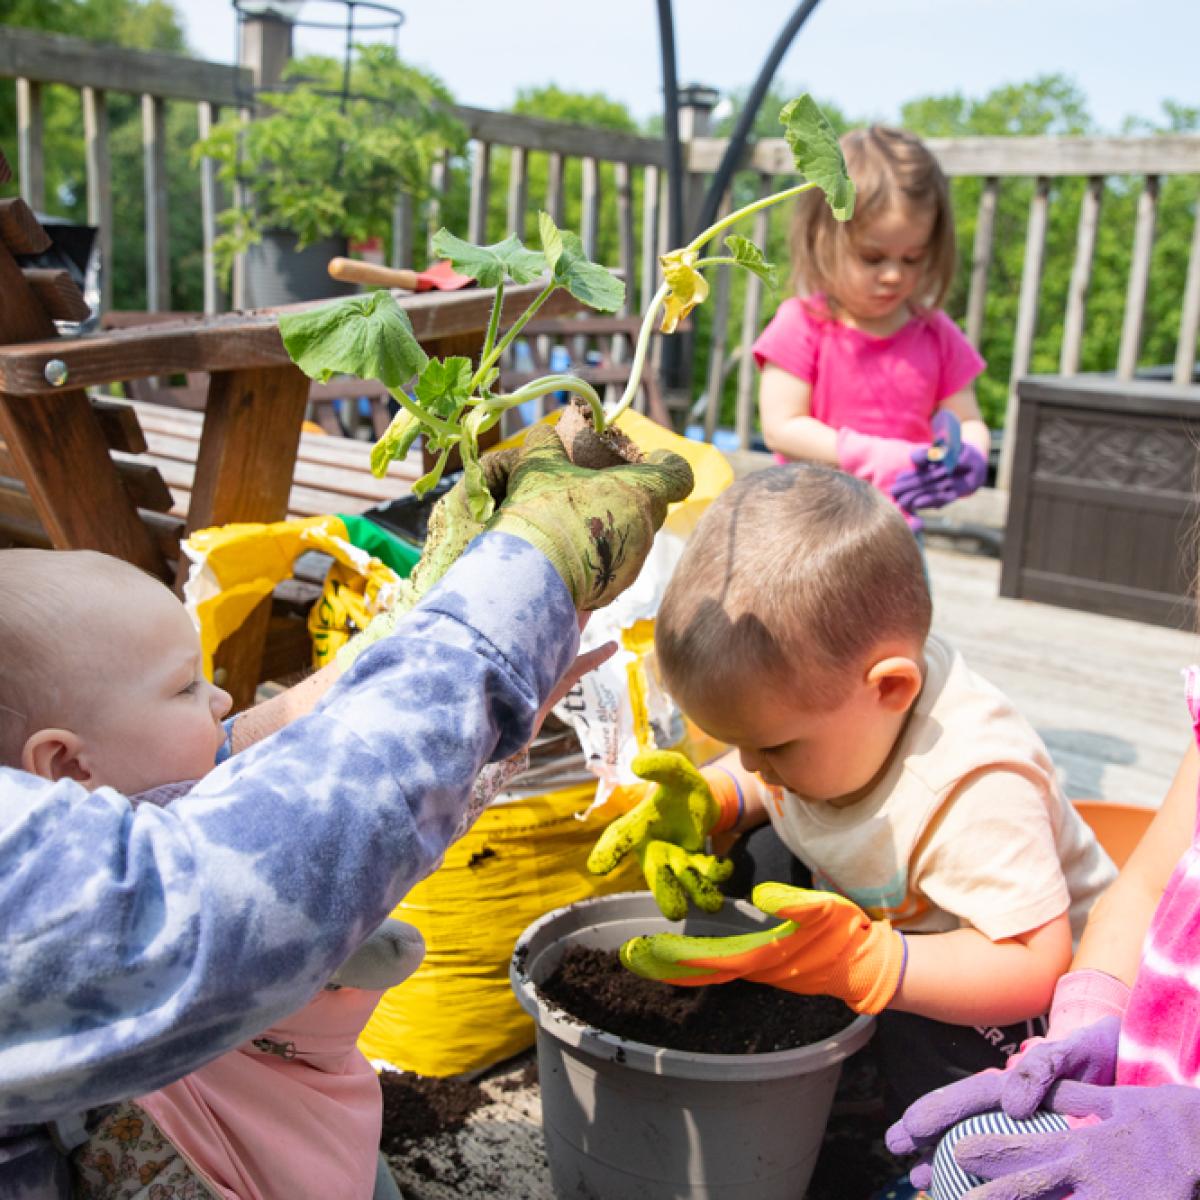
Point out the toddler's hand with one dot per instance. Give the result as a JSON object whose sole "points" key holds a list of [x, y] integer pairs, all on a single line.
{"points": [[666, 831], [878, 460], [826, 946], [945, 470]]}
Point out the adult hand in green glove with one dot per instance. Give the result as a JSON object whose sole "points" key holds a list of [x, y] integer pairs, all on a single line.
{"points": [[451, 529], [666, 831], [596, 527], [826, 946]]}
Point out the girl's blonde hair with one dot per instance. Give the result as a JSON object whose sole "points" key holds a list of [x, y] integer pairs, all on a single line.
{"points": [[888, 166]]}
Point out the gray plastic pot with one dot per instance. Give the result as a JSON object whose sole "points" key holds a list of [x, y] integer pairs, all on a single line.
{"points": [[624, 1120], [277, 273]]}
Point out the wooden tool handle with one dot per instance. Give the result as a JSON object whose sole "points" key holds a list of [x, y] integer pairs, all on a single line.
{"points": [[354, 270]]}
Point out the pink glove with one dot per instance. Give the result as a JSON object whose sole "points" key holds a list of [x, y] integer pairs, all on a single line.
{"points": [[1081, 998], [878, 460]]}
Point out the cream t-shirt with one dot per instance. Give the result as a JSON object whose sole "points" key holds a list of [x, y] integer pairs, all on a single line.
{"points": [[967, 827]]}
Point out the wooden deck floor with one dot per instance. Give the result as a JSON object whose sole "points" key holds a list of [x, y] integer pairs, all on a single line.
{"points": [[1105, 694]]}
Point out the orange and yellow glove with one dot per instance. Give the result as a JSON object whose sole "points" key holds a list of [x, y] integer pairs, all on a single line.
{"points": [[667, 829], [826, 946]]}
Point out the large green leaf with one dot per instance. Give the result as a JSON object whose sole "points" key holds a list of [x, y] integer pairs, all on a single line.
{"points": [[595, 285], [748, 255], [817, 153], [490, 265], [369, 336]]}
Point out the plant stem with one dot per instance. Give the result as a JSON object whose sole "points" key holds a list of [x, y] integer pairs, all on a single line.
{"points": [[489, 360], [639, 354], [425, 418], [639, 358], [755, 206], [493, 322], [497, 405]]}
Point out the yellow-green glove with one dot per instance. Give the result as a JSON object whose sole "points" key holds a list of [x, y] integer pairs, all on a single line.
{"points": [[826, 946], [451, 530], [667, 831], [595, 527]]}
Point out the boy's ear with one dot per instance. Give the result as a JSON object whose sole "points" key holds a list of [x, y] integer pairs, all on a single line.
{"points": [[897, 681], [56, 754]]}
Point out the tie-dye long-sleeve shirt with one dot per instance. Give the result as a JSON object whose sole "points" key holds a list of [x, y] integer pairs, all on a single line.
{"points": [[137, 944]]}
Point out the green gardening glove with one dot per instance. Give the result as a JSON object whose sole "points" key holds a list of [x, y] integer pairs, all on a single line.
{"points": [[595, 527], [451, 529], [667, 831]]}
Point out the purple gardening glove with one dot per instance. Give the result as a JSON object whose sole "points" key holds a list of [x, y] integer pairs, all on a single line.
{"points": [[1089, 1054], [878, 460], [1147, 1143], [933, 484]]}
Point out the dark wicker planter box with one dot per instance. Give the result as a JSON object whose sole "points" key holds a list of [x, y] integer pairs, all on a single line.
{"points": [[1103, 498]]}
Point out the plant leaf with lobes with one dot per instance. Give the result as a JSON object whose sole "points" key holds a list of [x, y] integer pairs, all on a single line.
{"points": [[445, 385], [817, 153], [752, 258], [490, 265], [368, 336], [595, 285]]}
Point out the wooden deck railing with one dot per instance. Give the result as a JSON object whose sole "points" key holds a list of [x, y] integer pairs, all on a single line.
{"points": [[621, 185]]}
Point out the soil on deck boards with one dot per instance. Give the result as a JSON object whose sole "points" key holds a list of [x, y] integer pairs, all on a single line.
{"points": [[455, 1138]]}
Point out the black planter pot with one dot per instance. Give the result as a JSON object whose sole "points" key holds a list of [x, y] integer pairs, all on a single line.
{"points": [[276, 273]]}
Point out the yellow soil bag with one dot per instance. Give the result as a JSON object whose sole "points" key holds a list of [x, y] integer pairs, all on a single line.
{"points": [[523, 858]]}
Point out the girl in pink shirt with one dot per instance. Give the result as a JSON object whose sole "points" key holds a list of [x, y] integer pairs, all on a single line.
{"points": [[856, 366]]}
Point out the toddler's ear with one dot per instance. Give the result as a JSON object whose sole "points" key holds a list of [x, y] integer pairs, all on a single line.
{"points": [[55, 754], [897, 681]]}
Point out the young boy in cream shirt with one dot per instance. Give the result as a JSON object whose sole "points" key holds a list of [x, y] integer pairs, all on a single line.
{"points": [[951, 874]]}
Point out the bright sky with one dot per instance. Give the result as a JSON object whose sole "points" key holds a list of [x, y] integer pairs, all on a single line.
{"points": [[868, 56]]}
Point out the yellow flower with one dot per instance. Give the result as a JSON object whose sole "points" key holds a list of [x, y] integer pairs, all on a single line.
{"points": [[688, 286]]}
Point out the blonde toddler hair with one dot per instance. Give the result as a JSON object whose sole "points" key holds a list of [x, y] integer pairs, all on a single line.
{"points": [[792, 577], [888, 166]]}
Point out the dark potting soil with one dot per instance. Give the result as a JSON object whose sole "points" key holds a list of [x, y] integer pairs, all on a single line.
{"points": [[736, 1018], [416, 1107]]}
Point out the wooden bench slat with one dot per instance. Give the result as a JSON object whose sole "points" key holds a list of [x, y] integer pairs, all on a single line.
{"points": [[313, 447], [20, 230], [335, 478], [57, 293]]}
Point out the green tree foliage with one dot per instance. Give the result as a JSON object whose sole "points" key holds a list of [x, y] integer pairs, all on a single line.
{"points": [[136, 24], [1052, 105]]}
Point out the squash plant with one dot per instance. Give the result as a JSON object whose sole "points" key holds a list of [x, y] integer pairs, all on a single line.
{"points": [[453, 401]]}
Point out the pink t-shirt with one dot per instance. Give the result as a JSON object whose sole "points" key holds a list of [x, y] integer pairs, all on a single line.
{"points": [[885, 386]]}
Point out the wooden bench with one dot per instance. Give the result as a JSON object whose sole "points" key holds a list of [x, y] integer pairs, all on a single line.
{"points": [[331, 474]]}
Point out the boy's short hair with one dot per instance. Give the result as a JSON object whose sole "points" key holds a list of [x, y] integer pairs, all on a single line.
{"points": [[888, 166], [49, 600], [793, 576]]}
